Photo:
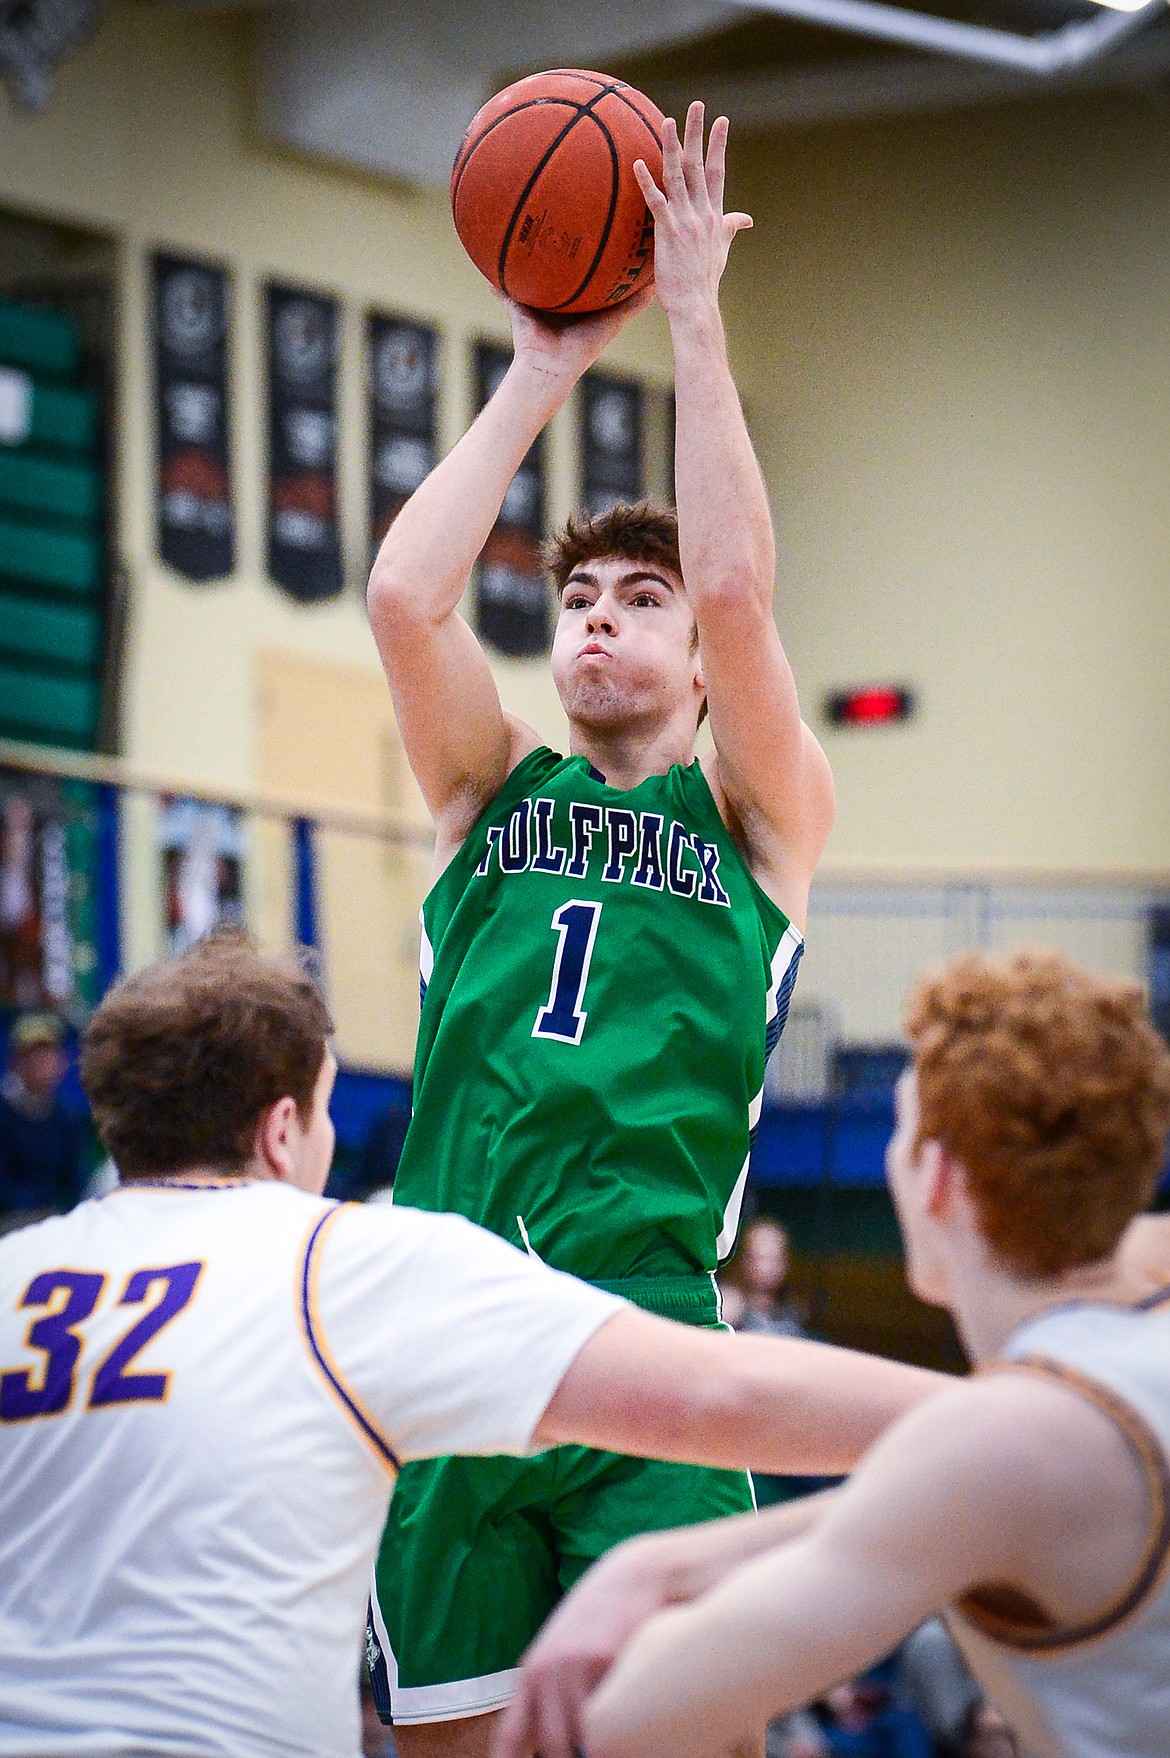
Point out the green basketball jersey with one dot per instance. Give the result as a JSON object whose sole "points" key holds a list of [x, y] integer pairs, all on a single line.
{"points": [[602, 982]]}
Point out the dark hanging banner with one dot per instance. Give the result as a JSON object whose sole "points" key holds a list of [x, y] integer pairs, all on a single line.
{"points": [[196, 521], [511, 594], [611, 441], [304, 541], [401, 377]]}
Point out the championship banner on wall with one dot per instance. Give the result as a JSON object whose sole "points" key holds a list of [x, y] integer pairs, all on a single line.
{"points": [[611, 442], [304, 541], [511, 594], [196, 521], [48, 894], [202, 846], [401, 380]]}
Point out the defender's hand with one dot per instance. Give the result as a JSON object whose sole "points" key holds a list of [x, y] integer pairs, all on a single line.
{"points": [[576, 1649], [560, 349], [692, 234]]}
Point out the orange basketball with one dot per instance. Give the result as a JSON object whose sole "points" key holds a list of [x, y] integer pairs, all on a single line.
{"points": [[544, 195]]}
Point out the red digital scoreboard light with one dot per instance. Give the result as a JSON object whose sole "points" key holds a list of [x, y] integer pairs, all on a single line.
{"points": [[872, 705]]}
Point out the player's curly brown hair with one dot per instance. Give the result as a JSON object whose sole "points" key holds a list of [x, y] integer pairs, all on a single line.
{"points": [[1052, 1088], [180, 1062], [645, 531]]}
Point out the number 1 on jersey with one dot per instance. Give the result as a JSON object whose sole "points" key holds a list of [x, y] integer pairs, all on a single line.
{"points": [[564, 1017]]}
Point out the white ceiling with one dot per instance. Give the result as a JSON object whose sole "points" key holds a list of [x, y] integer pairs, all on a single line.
{"points": [[388, 86], [391, 86]]}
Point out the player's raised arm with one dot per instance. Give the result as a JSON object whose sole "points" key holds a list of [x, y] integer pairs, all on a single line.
{"points": [[459, 741], [770, 769]]}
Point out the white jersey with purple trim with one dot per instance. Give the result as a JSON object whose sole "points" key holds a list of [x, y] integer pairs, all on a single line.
{"points": [[1101, 1690], [204, 1392]]}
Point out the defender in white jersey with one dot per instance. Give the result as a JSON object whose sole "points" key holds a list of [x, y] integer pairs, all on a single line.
{"points": [[209, 1377], [1031, 1504]]}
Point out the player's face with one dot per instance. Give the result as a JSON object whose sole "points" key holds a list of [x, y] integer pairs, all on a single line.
{"points": [[910, 1176], [313, 1143], [624, 649]]}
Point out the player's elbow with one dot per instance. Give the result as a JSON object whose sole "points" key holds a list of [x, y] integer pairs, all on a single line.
{"points": [[386, 590]]}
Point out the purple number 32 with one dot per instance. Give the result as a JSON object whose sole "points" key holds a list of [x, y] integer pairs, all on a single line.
{"points": [[72, 1296]]}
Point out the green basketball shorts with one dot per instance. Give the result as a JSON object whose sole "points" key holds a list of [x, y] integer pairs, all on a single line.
{"points": [[478, 1552]]}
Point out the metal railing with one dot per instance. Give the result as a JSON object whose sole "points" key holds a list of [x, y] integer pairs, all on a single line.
{"points": [[349, 881]]}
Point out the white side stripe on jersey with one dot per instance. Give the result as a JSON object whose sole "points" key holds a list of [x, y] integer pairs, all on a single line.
{"points": [[730, 1227]]}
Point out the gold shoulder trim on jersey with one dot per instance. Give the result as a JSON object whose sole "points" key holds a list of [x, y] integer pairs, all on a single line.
{"points": [[1010, 1617], [313, 1335]]}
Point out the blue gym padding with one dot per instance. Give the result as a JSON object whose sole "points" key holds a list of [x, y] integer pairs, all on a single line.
{"points": [[305, 886], [108, 922], [360, 1098], [843, 1141]]}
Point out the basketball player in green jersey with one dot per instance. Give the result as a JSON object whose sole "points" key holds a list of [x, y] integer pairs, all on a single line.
{"points": [[609, 945]]}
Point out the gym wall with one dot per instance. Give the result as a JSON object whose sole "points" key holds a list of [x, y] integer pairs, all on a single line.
{"points": [[951, 336], [149, 141], [960, 385]]}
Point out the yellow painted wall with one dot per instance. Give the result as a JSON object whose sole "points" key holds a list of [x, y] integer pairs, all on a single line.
{"points": [[961, 392], [953, 335], [150, 138]]}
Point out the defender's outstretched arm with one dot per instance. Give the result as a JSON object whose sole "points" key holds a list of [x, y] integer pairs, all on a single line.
{"points": [[769, 767], [997, 1481], [584, 1636], [644, 1385], [459, 741]]}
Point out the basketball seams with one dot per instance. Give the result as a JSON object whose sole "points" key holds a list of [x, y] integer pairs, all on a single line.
{"points": [[644, 120], [578, 106], [528, 104], [542, 164], [618, 91], [607, 229]]}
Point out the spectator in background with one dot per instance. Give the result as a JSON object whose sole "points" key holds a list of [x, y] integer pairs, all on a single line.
{"points": [[761, 1275], [754, 1300], [935, 1681], [42, 1168]]}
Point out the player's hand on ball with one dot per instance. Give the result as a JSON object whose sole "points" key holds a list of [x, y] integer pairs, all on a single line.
{"points": [[692, 234], [561, 349], [576, 1649]]}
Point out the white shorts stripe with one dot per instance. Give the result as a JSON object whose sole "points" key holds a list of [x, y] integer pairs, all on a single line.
{"points": [[450, 1702]]}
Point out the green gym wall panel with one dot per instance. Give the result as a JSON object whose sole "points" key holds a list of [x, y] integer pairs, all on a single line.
{"points": [[63, 418], [49, 558], [57, 710], [34, 485], [68, 633], [38, 340]]}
